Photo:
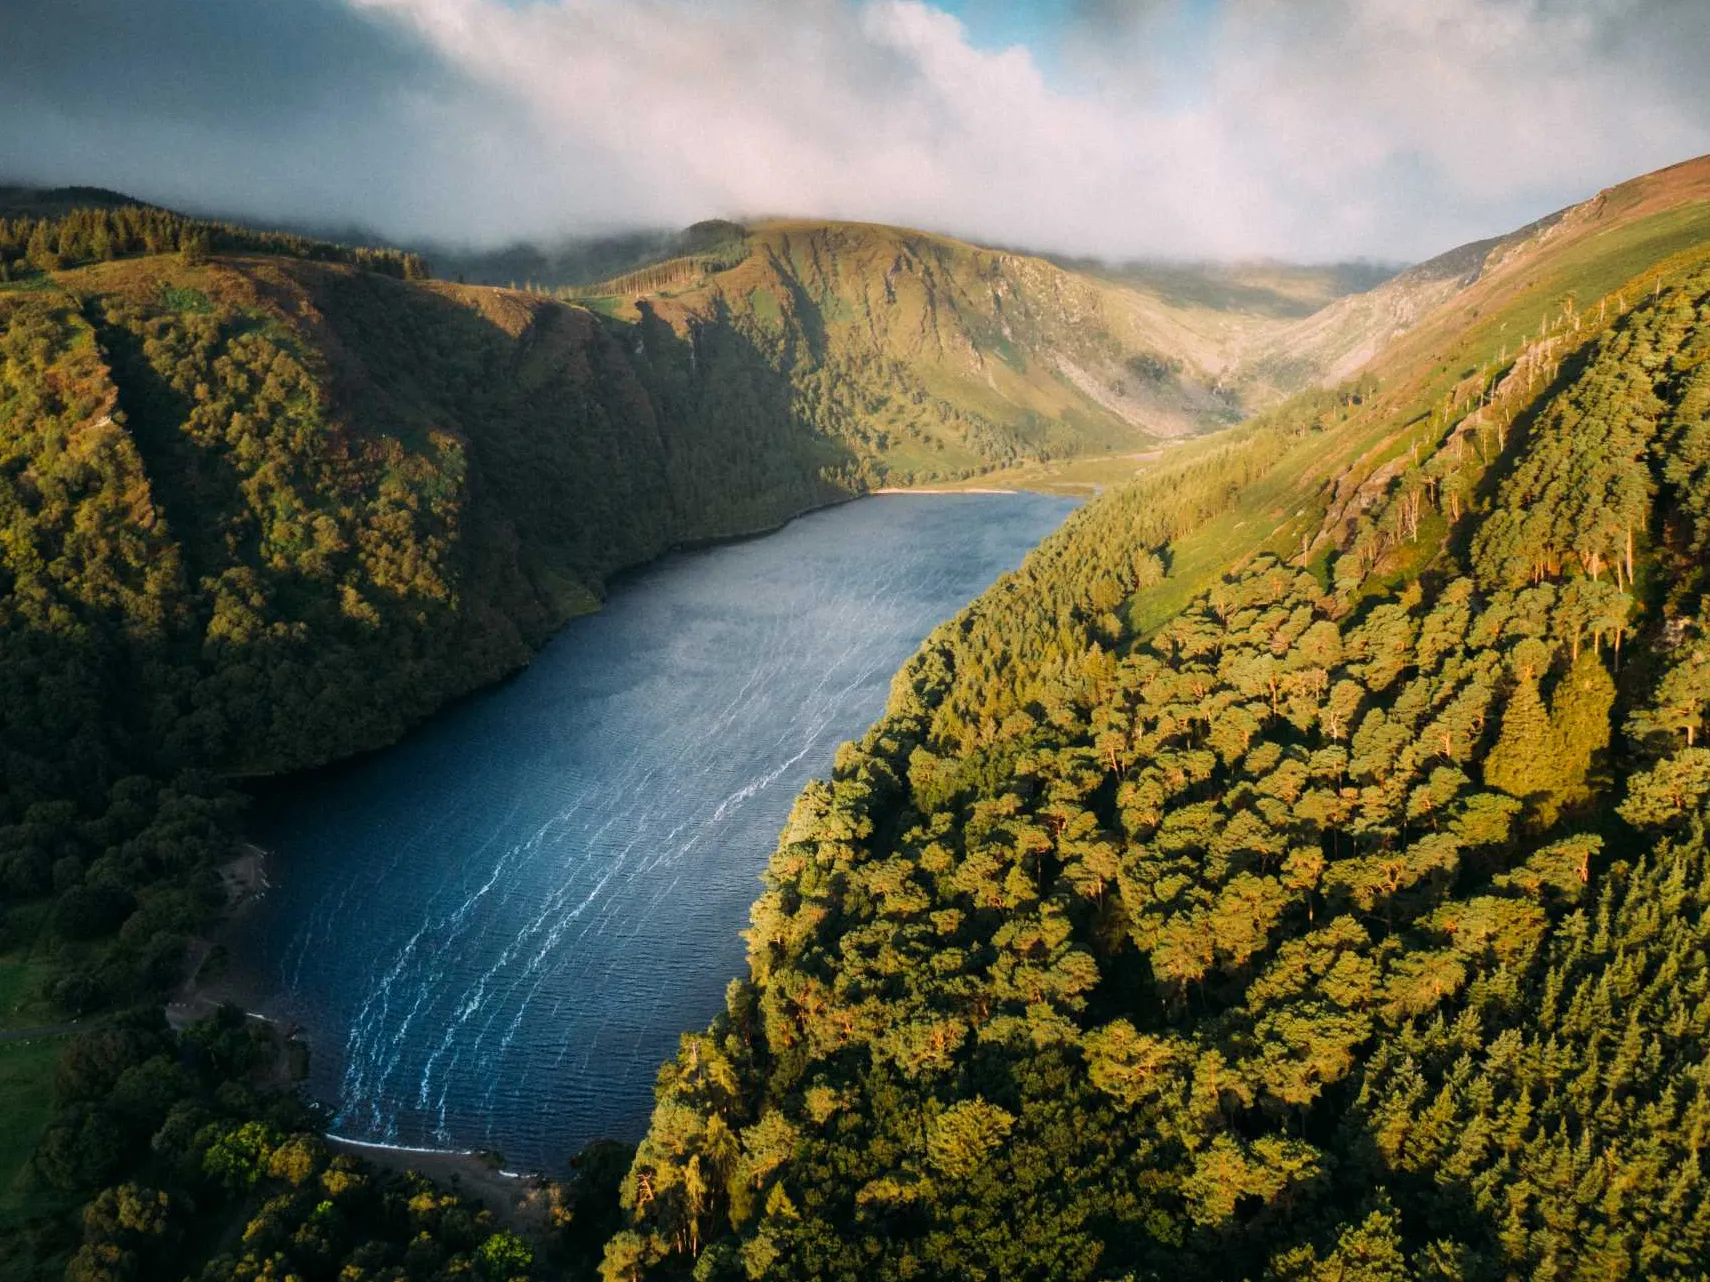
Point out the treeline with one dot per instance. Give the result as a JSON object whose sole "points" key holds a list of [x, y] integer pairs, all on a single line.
{"points": [[227, 1179], [1349, 925], [94, 235]]}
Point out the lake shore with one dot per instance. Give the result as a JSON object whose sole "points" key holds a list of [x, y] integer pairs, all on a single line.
{"points": [[917, 489], [209, 983], [513, 884], [517, 1200]]}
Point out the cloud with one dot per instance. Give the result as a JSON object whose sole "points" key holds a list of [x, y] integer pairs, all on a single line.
{"points": [[1317, 129]]}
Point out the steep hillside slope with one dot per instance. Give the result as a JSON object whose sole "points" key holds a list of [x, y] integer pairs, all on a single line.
{"points": [[316, 501], [1296, 870], [1648, 216], [945, 357]]}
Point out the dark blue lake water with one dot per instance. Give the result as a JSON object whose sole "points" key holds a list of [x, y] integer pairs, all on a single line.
{"points": [[495, 931]]}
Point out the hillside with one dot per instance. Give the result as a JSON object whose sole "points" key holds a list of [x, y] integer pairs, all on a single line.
{"points": [[946, 357], [367, 494], [1296, 870], [1621, 228]]}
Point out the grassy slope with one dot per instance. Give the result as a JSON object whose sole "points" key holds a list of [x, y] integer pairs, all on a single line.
{"points": [[1613, 245], [1277, 290], [962, 357], [1586, 250]]}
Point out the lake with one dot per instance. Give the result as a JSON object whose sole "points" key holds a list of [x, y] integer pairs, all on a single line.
{"points": [[495, 931]]}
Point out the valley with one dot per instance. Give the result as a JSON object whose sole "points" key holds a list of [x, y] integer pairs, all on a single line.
{"points": [[1292, 869]]}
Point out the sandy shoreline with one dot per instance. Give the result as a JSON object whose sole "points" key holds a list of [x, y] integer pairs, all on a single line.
{"points": [[517, 1200], [893, 489]]}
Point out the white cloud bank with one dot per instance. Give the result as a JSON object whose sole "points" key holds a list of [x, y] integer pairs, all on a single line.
{"points": [[1310, 129]]}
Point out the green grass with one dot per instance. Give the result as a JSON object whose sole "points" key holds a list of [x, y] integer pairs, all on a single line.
{"points": [[182, 298], [21, 1001], [1599, 267], [766, 308], [25, 970], [923, 460], [26, 1086], [1078, 477]]}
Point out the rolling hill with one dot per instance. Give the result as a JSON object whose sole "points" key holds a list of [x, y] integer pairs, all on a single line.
{"points": [[947, 357]]}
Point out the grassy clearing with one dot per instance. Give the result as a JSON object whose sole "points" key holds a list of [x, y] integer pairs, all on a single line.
{"points": [[26, 1069], [26, 1086], [21, 1001], [25, 970], [1077, 477]]}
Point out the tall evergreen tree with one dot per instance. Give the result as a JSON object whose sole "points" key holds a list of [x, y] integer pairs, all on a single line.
{"points": [[1523, 763], [1579, 720]]}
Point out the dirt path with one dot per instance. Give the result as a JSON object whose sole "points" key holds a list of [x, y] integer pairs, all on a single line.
{"points": [[51, 1030], [201, 994]]}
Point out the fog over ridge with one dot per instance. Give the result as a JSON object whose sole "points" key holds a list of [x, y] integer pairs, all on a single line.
{"points": [[1320, 130]]}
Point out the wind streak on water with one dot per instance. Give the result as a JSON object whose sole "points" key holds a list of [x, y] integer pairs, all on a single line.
{"points": [[496, 931]]}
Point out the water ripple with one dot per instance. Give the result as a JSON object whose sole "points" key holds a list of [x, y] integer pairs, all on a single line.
{"points": [[496, 931]]}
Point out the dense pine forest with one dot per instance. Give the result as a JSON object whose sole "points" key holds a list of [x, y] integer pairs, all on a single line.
{"points": [[1346, 921], [1295, 870]]}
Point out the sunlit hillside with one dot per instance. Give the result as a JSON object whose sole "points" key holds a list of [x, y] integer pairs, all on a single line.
{"points": [[951, 356], [1296, 870]]}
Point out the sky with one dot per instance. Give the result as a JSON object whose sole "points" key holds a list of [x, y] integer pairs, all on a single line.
{"points": [[1312, 130]]}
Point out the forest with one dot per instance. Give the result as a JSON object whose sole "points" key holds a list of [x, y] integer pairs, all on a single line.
{"points": [[265, 505], [1346, 923], [37, 239], [1295, 870]]}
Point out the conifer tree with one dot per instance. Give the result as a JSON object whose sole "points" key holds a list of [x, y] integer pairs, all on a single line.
{"points": [[1522, 763], [1579, 719]]}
